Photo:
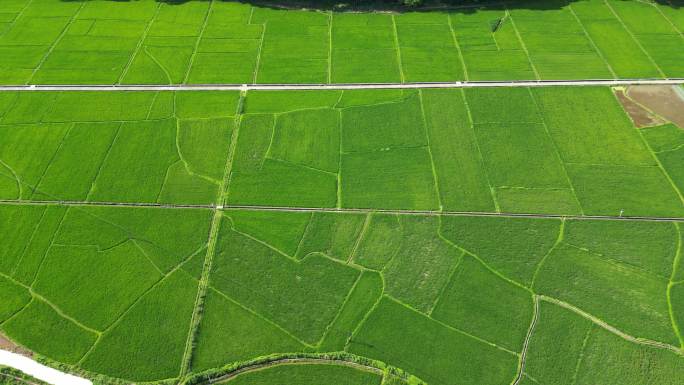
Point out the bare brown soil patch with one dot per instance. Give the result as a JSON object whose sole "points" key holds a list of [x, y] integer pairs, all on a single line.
{"points": [[665, 101], [639, 115], [7, 344]]}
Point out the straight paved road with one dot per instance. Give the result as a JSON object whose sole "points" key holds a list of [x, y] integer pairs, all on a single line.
{"points": [[341, 210], [351, 86]]}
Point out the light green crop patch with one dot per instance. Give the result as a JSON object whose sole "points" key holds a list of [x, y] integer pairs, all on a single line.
{"points": [[421, 268], [101, 151], [565, 345], [39, 326], [400, 336], [479, 302], [144, 350], [301, 297], [512, 246], [621, 295], [231, 332]]}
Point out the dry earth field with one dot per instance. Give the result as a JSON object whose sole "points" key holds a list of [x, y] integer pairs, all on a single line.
{"points": [[526, 236]]}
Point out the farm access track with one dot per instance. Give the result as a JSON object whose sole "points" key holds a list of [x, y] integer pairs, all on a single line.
{"points": [[340, 210], [347, 86]]}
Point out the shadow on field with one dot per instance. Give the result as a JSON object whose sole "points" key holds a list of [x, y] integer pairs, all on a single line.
{"points": [[462, 6]]}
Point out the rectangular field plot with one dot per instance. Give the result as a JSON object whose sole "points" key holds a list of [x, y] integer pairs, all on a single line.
{"points": [[427, 48], [295, 47], [364, 47], [617, 45], [229, 47], [656, 34], [557, 43], [120, 147], [490, 45]]}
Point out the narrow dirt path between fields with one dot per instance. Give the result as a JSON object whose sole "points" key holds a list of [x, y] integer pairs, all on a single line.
{"points": [[347, 86]]}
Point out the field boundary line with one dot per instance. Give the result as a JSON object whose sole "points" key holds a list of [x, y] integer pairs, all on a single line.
{"points": [[362, 234], [257, 63], [402, 77], [29, 243], [437, 190], [458, 46], [563, 165], [668, 20], [15, 176], [638, 43], [526, 342], [343, 86], [93, 183], [612, 329], [52, 158], [671, 283], [339, 150], [342, 210], [481, 160], [580, 358], [203, 284], [330, 46], [128, 309], [199, 40], [260, 316], [140, 44], [56, 42], [17, 18], [591, 40], [559, 240], [452, 273], [522, 42], [449, 327], [485, 265], [329, 326]]}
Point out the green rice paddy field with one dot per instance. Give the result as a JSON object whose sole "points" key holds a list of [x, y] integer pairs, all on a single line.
{"points": [[503, 236], [351, 237], [181, 42]]}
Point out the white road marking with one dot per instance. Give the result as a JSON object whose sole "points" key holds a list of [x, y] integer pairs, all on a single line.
{"points": [[40, 371], [346, 86]]}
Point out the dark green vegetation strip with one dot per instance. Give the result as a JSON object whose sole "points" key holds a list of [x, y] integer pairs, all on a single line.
{"points": [[114, 290], [198, 42], [306, 374]]}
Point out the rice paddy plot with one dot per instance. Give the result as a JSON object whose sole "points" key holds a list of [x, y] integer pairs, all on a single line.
{"points": [[97, 146], [150, 42], [121, 282], [96, 280], [565, 345], [495, 150]]}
